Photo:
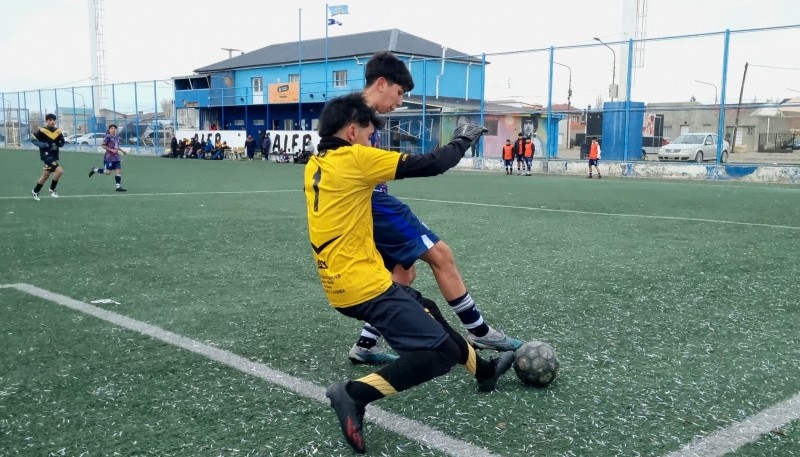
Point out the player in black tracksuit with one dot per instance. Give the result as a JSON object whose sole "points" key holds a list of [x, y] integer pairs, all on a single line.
{"points": [[48, 139]]}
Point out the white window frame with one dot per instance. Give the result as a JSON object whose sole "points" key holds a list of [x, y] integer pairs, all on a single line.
{"points": [[258, 85], [339, 78]]}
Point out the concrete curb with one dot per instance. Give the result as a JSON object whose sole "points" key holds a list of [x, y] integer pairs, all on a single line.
{"points": [[784, 174]]}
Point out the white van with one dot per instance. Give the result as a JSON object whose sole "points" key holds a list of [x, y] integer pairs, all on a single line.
{"points": [[159, 138]]}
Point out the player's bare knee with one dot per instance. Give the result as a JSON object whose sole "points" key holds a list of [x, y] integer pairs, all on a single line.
{"points": [[402, 276], [439, 256]]}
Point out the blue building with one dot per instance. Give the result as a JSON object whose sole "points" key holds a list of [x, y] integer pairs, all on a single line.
{"points": [[284, 86]]}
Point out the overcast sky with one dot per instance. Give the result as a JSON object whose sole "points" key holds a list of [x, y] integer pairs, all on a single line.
{"points": [[47, 45]]}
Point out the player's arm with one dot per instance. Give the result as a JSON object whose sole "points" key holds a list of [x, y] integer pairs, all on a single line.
{"points": [[38, 141], [60, 140], [441, 159]]}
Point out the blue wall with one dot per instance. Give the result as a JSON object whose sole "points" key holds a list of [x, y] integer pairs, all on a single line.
{"points": [[614, 131]]}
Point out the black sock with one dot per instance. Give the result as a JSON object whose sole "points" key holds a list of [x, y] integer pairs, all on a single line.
{"points": [[38, 187], [53, 184]]}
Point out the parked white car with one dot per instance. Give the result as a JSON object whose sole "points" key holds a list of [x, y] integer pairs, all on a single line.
{"points": [[694, 146], [90, 139]]}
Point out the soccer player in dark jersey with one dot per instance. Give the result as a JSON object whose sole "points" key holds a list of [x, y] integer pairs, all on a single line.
{"points": [[402, 238], [48, 139], [338, 186], [111, 160]]}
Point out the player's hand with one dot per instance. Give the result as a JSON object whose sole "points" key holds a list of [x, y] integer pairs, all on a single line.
{"points": [[470, 132]]}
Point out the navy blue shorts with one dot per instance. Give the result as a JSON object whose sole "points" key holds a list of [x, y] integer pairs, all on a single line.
{"points": [[404, 322], [400, 236], [593, 162], [115, 165], [50, 164], [508, 163]]}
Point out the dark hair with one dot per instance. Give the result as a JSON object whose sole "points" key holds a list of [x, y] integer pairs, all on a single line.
{"points": [[109, 127], [594, 138], [344, 110], [387, 65], [50, 117]]}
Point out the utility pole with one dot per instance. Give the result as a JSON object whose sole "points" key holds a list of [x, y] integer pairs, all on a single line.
{"points": [[736, 123]]}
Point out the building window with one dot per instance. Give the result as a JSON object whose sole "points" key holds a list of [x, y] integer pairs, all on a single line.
{"points": [[340, 78], [288, 124], [294, 78], [238, 122], [258, 85], [258, 122]]}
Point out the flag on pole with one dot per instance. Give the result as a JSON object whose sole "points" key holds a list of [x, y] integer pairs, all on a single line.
{"points": [[333, 22], [337, 9]]}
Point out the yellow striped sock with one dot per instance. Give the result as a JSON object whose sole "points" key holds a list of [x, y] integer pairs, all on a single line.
{"points": [[377, 382], [471, 365]]}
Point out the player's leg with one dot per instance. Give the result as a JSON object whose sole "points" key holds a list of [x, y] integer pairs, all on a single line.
{"points": [[366, 349], [426, 351], [485, 372], [597, 168], [402, 239], [40, 182], [590, 168], [54, 180], [118, 177], [443, 265]]}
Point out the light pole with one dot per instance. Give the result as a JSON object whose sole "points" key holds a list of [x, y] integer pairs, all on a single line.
{"points": [[709, 84], [792, 90], [230, 51], [569, 102], [614, 69]]}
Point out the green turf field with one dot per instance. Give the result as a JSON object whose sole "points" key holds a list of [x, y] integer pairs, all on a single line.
{"points": [[673, 306]]}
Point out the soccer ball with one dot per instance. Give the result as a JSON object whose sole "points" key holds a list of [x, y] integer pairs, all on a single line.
{"points": [[536, 363]]}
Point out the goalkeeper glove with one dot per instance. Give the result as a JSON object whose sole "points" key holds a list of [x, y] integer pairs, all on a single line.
{"points": [[469, 132]]}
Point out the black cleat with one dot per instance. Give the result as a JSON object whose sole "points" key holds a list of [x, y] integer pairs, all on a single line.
{"points": [[91, 172], [121, 189], [350, 414], [501, 364]]}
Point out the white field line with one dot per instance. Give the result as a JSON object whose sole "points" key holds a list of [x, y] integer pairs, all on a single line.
{"points": [[411, 429], [595, 213], [162, 194], [488, 205], [731, 438]]}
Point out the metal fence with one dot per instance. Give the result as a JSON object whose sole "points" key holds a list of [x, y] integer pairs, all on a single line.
{"points": [[735, 84]]}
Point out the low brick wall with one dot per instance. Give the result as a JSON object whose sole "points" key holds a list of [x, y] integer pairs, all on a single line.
{"points": [[786, 174]]}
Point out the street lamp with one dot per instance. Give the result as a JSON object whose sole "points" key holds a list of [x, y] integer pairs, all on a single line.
{"points": [[569, 102], [709, 84], [614, 69]]}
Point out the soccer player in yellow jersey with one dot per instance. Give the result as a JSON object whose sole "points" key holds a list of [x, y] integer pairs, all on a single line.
{"points": [[338, 186]]}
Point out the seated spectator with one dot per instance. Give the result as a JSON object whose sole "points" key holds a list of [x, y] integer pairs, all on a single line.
{"points": [[219, 153], [208, 149]]}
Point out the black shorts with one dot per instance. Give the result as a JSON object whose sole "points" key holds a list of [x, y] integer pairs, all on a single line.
{"points": [[402, 320], [519, 158], [593, 162], [50, 164]]}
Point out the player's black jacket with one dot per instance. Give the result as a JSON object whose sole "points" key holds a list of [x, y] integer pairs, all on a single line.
{"points": [[416, 165], [49, 140]]}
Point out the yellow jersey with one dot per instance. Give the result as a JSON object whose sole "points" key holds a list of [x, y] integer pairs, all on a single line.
{"points": [[338, 186]]}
